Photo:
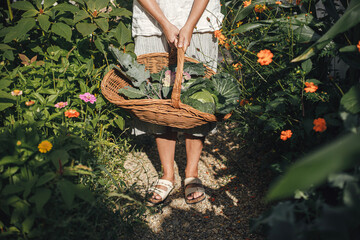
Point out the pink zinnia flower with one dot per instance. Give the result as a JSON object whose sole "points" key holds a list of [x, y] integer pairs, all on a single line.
{"points": [[87, 97], [61, 104]]}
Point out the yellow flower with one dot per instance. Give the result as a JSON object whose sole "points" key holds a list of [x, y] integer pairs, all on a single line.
{"points": [[45, 146], [239, 23], [16, 92], [18, 143]]}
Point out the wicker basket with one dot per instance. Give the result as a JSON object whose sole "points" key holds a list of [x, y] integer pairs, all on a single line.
{"points": [[166, 112]]}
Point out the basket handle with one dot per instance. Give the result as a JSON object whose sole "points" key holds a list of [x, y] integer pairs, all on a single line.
{"points": [[175, 96]]}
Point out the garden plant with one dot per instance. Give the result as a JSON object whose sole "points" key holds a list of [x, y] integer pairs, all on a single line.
{"points": [[63, 147]]}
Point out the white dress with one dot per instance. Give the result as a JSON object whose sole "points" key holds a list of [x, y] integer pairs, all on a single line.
{"points": [[176, 12], [148, 38]]}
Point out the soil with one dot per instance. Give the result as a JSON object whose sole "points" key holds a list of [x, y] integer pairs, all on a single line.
{"points": [[235, 184]]}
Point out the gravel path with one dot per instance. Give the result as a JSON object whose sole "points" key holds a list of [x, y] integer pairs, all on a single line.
{"points": [[235, 185]]}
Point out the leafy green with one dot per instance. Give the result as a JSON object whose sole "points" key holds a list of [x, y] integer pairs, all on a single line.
{"points": [[129, 67], [131, 92], [227, 90]]}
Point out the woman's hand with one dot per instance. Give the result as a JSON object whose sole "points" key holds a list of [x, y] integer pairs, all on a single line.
{"points": [[171, 33], [185, 35]]}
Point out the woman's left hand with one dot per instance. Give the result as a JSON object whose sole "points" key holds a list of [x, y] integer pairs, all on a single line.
{"points": [[185, 35]]}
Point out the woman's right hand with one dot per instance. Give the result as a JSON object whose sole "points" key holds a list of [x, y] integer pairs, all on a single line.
{"points": [[171, 33]]}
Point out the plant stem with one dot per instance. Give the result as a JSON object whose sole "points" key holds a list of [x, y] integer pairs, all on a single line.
{"points": [[10, 10]]}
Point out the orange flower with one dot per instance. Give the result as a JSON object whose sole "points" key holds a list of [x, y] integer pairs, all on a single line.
{"points": [[239, 23], [246, 3], [220, 37], [278, 3], [265, 57], [319, 125], [243, 102], [259, 8], [71, 113], [227, 46], [237, 66], [29, 103], [310, 87], [285, 135], [358, 45]]}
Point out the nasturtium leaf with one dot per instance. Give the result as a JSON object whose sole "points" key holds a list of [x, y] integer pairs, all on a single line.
{"points": [[62, 30]]}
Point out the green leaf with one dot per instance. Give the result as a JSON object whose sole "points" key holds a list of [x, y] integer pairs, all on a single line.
{"points": [[100, 4], [48, 3], [228, 92], [63, 7], [67, 192], [120, 122], [80, 15], [58, 156], [122, 34], [30, 13], [347, 21], [4, 106], [86, 28], [4, 47], [102, 23], [22, 5], [121, 12], [130, 67], [45, 178], [306, 66], [62, 30], [9, 172], [84, 193], [40, 198], [314, 168], [194, 68], [351, 48], [9, 54], [11, 189], [248, 26], [99, 45], [44, 22], [20, 30], [28, 223], [351, 100], [131, 92]]}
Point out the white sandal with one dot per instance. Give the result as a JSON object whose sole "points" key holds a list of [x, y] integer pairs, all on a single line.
{"points": [[161, 192], [195, 186]]}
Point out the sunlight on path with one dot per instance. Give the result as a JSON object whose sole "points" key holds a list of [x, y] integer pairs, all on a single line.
{"points": [[231, 200]]}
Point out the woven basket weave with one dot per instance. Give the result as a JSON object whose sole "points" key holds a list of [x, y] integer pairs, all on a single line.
{"points": [[166, 112]]}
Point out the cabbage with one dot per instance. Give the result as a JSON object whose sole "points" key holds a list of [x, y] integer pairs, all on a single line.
{"points": [[202, 101]]}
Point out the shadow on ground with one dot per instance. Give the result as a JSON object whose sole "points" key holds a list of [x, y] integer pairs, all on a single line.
{"points": [[235, 186]]}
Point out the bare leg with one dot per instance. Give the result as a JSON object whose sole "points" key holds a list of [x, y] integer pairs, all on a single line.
{"points": [[194, 146], [166, 148]]}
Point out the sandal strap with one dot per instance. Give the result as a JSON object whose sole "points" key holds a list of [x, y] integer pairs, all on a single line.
{"points": [[161, 192], [196, 186]]}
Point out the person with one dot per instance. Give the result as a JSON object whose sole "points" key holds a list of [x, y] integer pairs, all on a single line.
{"points": [[158, 26]]}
